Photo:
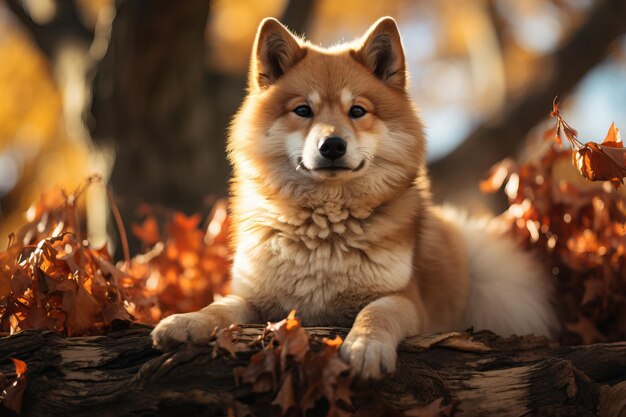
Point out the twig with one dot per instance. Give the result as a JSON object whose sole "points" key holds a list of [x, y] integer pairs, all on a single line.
{"points": [[120, 227]]}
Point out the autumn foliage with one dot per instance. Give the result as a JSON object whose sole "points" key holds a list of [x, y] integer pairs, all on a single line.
{"points": [[50, 278], [293, 373], [577, 227], [185, 265]]}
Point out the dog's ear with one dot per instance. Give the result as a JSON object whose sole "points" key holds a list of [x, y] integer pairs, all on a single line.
{"points": [[275, 50], [381, 52]]}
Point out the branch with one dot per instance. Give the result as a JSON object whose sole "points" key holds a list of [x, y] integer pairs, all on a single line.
{"points": [[121, 374], [503, 134]]}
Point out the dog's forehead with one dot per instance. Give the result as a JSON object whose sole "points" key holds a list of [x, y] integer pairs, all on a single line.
{"points": [[345, 96], [330, 76]]}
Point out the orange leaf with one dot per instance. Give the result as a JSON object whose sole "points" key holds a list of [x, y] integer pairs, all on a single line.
{"points": [[147, 232], [20, 367], [14, 393], [595, 164], [497, 175], [612, 138]]}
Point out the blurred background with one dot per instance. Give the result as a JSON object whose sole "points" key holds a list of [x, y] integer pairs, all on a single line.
{"points": [[142, 91]]}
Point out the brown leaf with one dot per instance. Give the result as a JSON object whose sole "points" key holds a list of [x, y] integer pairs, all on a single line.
{"points": [[261, 371], [292, 337], [81, 308], [20, 367], [147, 232], [612, 138], [593, 290], [497, 175], [552, 134], [601, 163], [285, 397], [586, 330], [224, 340], [13, 393]]}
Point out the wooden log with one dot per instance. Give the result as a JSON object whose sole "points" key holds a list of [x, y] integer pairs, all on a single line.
{"points": [[121, 374]]}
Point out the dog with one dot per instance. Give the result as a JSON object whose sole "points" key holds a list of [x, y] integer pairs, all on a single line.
{"points": [[333, 216]]}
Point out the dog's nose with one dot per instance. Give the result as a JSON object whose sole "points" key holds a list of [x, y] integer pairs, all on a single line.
{"points": [[332, 147]]}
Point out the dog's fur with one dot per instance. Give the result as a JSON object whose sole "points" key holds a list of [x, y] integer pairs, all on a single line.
{"points": [[362, 247]]}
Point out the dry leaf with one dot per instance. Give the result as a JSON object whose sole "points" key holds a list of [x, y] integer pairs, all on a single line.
{"points": [[587, 331], [224, 340], [595, 162], [13, 391]]}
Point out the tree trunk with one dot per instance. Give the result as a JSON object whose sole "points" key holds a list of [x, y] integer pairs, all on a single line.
{"points": [[151, 103], [121, 374]]}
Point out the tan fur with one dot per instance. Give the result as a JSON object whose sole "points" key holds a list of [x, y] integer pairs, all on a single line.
{"points": [[363, 247]]}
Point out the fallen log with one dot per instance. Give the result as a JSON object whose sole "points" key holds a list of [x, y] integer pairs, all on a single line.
{"points": [[120, 374]]}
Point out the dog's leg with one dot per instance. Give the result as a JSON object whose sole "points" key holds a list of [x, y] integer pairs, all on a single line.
{"points": [[198, 326], [371, 345]]}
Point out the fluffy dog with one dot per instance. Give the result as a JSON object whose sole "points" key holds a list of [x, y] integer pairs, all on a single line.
{"points": [[332, 212]]}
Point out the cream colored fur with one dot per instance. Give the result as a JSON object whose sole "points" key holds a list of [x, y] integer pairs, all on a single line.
{"points": [[509, 291], [363, 247]]}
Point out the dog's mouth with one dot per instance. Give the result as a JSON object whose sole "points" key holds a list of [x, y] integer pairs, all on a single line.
{"points": [[330, 168]]}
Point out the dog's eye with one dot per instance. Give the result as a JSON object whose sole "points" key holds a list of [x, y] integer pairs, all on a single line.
{"points": [[303, 111], [357, 111]]}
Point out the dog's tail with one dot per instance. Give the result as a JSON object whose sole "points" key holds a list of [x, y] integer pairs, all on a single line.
{"points": [[510, 291]]}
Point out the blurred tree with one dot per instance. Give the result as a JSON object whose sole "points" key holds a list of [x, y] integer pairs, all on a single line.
{"points": [[503, 134], [151, 103], [139, 79], [162, 109]]}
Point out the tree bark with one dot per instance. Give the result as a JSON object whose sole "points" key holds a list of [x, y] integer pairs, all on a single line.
{"points": [[121, 374]]}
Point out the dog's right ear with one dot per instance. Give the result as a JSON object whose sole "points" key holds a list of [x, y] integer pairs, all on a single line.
{"points": [[275, 50]]}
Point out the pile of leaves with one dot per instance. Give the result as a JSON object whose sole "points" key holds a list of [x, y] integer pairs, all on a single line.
{"points": [[184, 266], [576, 226], [293, 374], [51, 278]]}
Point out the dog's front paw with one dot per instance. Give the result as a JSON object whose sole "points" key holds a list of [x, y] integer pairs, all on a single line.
{"points": [[180, 328], [369, 357]]}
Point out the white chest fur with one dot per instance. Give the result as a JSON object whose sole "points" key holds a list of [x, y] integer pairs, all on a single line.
{"points": [[313, 259]]}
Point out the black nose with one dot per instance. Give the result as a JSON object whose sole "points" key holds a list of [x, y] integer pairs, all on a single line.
{"points": [[332, 147]]}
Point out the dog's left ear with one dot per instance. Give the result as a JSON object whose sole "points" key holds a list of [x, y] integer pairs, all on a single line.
{"points": [[381, 51], [275, 51]]}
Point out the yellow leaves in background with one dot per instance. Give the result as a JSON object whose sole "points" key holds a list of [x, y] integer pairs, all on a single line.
{"points": [[29, 103], [231, 29], [33, 144]]}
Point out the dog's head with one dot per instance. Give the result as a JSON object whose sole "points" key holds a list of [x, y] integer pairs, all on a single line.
{"points": [[337, 118]]}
